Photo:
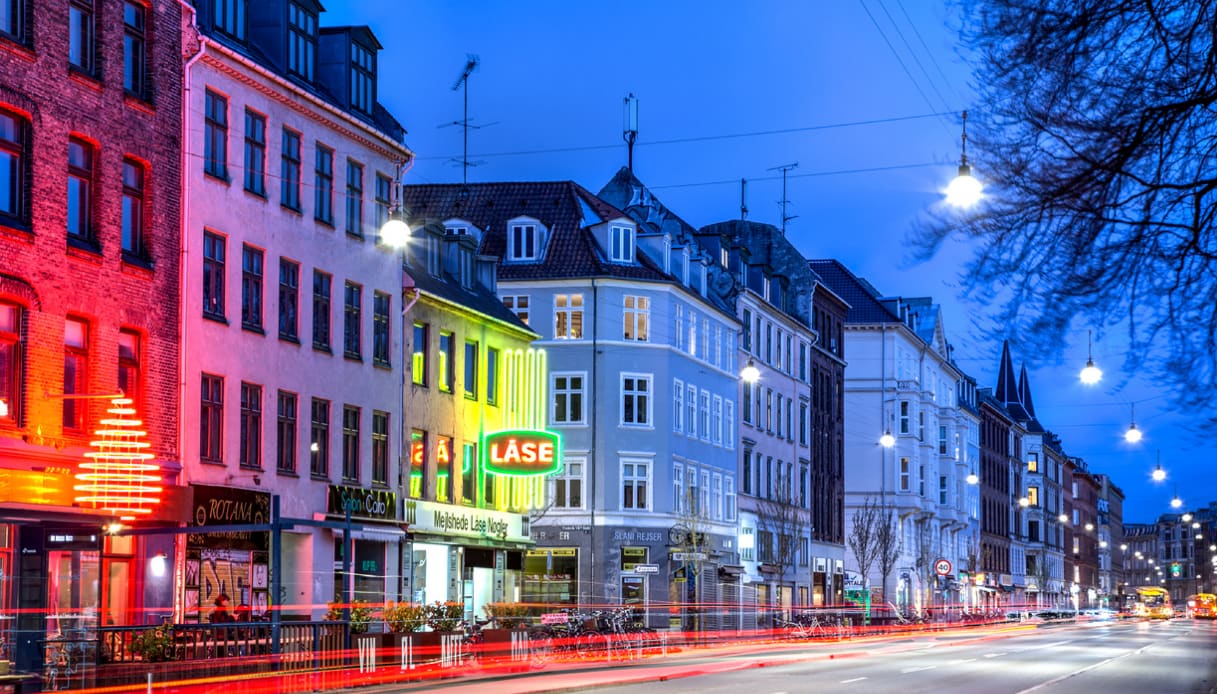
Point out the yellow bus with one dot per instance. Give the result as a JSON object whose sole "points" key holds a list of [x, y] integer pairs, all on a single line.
{"points": [[1153, 602], [1202, 606]]}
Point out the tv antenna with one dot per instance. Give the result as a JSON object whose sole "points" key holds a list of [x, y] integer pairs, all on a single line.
{"points": [[784, 202], [471, 64], [630, 131], [743, 204]]}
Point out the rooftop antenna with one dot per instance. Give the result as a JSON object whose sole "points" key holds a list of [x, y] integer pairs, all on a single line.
{"points": [[743, 204], [471, 64], [631, 126], [784, 202]]}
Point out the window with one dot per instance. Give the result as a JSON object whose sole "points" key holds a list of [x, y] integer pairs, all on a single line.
{"points": [[942, 440], [747, 334], [942, 490], [129, 380], [678, 317], [747, 544], [804, 486], [637, 318], [211, 419], [418, 360], [251, 425], [354, 199], [905, 475], [635, 480], [691, 411], [471, 370], [352, 320], [381, 328], [904, 417], [522, 242], [747, 400], [12, 19], [319, 439], [1033, 462], [289, 170], [133, 209], [285, 433], [301, 41], [678, 406], [289, 299], [729, 498], [716, 426], [215, 135], [678, 488], [444, 378], [621, 244], [568, 398], [380, 447], [11, 363], [323, 185], [705, 415], [747, 471], [384, 200], [213, 275], [568, 486], [14, 160], [729, 425], [75, 371], [568, 317], [764, 549], [635, 400], [229, 17], [469, 474], [251, 288], [80, 187], [350, 443], [518, 305], [135, 60], [1033, 496], [321, 309], [693, 497], [716, 497], [363, 69], [80, 34], [255, 153], [431, 251], [492, 375]]}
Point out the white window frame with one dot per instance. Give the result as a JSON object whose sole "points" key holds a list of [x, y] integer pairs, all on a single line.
{"points": [[621, 243], [691, 411], [691, 492], [523, 240], [716, 495], [636, 318], [678, 488], [729, 499], [567, 477], [905, 473], [647, 396], [512, 302], [679, 311], [729, 423], [692, 333], [716, 427], [645, 466], [704, 407], [566, 308], [705, 493], [904, 414], [678, 406], [576, 418]]}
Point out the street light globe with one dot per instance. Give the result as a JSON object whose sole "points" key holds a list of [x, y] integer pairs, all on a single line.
{"points": [[1186, 517], [750, 373], [1194, 525], [395, 233], [1123, 547], [1102, 544], [1159, 474], [972, 478], [1024, 502], [1133, 435], [1089, 526], [1064, 518], [1176, 503], [964, 190], [1091, 374], [1213, 548], [887, 440]]}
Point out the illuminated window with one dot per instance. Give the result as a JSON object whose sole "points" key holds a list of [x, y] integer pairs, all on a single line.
{"points": [[215, 135], [213, 275], [635, 484], [568, 486], [75, 371], [11, 363], [321, 310], [418, 360], [380, 447], [251, 288], [635, 400], [255, 153], [747, 544], [289, 170], [129, 380], [905, 475], [1033, 495], [445, 353], [80, 190], [133, 209], [678, 406], [289, 300], [469, 474], [567, 398], [319, 439], [14, 167], [251, 426], [637, 318], [568, 317], [285, 433], [211, 419], [518, 304], [381, 329], [1033, 462], [350, 443], [135, 50], [492, 376], [323, 185], [352, 321], [621, 244], [418, 462], [471, 369], [444, 467], [80, 34], [354, 199]]}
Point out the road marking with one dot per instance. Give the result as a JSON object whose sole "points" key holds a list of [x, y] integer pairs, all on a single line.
{"points": [[1067, 675], [907, 670], [994, 655], [963, 661], [855, 679]]}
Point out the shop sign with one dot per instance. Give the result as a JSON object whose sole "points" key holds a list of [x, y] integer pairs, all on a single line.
{"points": [[51, 486], [522, 452], [214, 505], [378, 504], [434, 518], [646, 568], [853, 581]]}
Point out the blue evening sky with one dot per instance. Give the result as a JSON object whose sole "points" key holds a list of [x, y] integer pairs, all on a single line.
{"points": [[886, 77]]}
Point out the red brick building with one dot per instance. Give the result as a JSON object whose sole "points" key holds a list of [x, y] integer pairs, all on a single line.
{"points": [[90, 131]]}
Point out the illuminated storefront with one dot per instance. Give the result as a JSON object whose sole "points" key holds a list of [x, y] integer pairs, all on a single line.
{"points": [[233, 563]]}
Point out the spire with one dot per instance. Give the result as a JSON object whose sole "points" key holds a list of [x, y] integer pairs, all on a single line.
{"points": [[1007, 391], [1024, 391]]}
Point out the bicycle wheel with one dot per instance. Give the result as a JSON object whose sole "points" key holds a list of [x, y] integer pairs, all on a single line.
{"points": [[593, 645], [540, 649]]}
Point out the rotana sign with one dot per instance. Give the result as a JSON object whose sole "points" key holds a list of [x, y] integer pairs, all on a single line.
{"points": [[522, 452]]}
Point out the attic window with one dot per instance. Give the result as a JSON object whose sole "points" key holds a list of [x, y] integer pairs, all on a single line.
{"points": [[363, 71], [431, 248], [301, 41], [457, 231], [523, 242], [621, 244]]}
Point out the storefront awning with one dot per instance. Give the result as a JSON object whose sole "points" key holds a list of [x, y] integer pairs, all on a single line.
{"points": [[373, 533]]}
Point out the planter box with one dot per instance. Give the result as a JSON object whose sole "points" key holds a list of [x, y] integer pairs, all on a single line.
{"points": [[431, 648], [505, 645]]}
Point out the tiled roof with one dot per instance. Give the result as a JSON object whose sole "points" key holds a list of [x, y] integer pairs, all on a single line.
{"points": [[864, 302], [558, 205], [477, 298]]}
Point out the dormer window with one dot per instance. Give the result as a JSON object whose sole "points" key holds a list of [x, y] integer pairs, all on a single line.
{"points": [[724, 258], [301, 41], [363, 71], [523, 241], [457, 231], [684, 267], [466, 268], [431, 249], [230, 17], [621, 244]]}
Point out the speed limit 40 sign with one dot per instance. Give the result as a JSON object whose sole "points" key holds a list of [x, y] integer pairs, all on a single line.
{"points": [[942, 567]]}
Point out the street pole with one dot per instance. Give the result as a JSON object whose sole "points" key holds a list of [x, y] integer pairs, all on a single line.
{"points": [[276, 573], [346, 576]]}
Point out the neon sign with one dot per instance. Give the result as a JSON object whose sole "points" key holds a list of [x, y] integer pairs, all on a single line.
{"points": [[522, 452], [119, 476]]}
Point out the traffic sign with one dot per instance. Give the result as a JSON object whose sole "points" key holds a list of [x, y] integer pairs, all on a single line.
{"points": [[689, 556], [942, 567], [646, 568]]}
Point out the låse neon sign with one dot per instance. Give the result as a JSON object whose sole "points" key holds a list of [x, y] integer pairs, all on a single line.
{"points": [[522, 452]]}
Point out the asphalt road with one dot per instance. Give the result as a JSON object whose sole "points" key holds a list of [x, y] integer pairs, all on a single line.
{"points": [[1167, 657]]}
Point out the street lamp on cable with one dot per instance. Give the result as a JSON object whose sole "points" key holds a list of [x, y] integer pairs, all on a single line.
{"points": [[964, 190], [1158, 474], [1133, 435], [1090, 374]]}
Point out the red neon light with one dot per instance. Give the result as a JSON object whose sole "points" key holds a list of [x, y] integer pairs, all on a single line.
{"points": [[118, 476]]}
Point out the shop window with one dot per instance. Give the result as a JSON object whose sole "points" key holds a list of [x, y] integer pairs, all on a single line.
{"points": [[551, 575]]}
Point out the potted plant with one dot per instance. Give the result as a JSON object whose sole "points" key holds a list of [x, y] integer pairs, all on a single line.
{"points": [[507, 615], [153, 645], [360, 615], [406, 642], [509, 640], [404, 617], [444, 616]]}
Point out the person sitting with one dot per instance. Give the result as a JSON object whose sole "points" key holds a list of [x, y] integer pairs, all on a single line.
{"points": [[221, 614]]}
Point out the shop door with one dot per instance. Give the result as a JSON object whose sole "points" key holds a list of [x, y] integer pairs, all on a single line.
{"points": [[117, 600], [73, 592]]}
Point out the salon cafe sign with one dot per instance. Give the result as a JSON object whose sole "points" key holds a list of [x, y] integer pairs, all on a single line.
{"points": [[376, 504], [431, 518]]}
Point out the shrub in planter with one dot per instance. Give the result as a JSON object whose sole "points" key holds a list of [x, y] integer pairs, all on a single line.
{"points": [[507, 615], [361, 615], [404, 617], [444, 616], [153, 645]]}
